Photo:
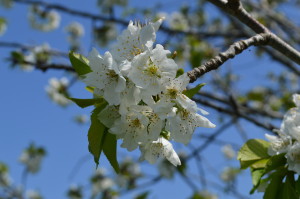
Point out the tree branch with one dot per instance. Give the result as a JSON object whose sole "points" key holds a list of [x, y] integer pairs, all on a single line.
{"points": [[266, 126], [201, 34], [235, 8], [235, 49], [7, 44]]}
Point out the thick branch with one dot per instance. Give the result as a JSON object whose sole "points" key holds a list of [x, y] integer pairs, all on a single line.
{"points": [[235, 49], [272, 53], [235, 8]]}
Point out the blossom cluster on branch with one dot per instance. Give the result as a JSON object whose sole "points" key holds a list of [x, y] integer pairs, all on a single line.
{"points": [[288, 140], [147, 106]]}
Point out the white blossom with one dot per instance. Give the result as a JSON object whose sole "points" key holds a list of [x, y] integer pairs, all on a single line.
{"points": [[160, 148], [151, 70], [105, 77], [166, 169], [135, 40], [130, 96], [38, 54], [229, 174], [228, 151], [130, 171], [75, 29], [293, 158], [291, 123], [172, 93], [44, 21], [56, 90], [178, 21], [100, 182], [32, 160], [31, 194], [279, 144], [296, 100], [183, 124], [139, 125]]}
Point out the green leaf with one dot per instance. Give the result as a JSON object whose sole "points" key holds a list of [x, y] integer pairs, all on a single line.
{"points": [[256, 176], [275, 162], [79, 63], [193, 91], [87, 102], [274, 188], [252, 152], [260, 164], [288, 190], [17, 57], [90, 89], [95, 134], [297, 185], [110, 150]]}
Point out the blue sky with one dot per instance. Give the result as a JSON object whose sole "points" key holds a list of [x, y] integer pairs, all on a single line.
{"points": [[28, 115]]}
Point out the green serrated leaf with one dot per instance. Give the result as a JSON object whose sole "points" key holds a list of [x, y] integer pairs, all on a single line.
{"points": [[110, 150], [95, 134], [79, 63], [252, 151], [193, 91], [87, 102]]}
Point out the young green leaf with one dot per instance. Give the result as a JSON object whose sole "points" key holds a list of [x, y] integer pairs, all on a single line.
{"points": [[274, 188], [79, 63], [193, 91], [256, 176], [17, 57], [96, 134], [90, 89], [110, 150], [252, 152], [87, 102], [288, 190], [275, 162]]}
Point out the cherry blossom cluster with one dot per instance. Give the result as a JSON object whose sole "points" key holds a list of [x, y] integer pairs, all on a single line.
{"points": [[146, 105], [32, 158], [43, 20], [57, 91], [288, 140]]}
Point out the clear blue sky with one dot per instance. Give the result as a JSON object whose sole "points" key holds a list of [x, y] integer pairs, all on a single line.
{"points": [[27, 115]]}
